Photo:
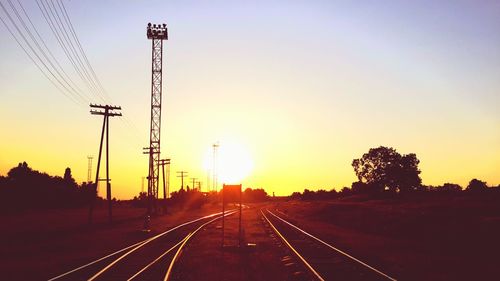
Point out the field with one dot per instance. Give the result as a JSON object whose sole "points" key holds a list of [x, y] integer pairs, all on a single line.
{"points": [[452, 238], [431, 238], [38, 245]]}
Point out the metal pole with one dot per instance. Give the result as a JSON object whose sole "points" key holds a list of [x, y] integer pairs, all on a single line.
{"points": [[240, 238], [208, 180], [157, 33], [223, 217], [214, 182], [108, 185], [89, 172]]}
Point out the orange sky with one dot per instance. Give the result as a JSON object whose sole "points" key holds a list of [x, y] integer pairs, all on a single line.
{"points": [[301, 89]]}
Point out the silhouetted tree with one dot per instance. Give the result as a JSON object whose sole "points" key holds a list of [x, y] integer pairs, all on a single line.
{"points": [[307, 194], [320, 194], [345, 191], [476, 185], [384, 168], [361, 187], [254, 195], [451, 187], [68, 178], [25, 188], [295, 195]]}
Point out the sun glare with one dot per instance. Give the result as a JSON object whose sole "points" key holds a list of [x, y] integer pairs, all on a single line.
{"points": [[233, 162]]}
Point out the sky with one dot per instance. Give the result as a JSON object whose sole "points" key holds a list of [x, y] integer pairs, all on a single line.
{"points": [[292, 91]]}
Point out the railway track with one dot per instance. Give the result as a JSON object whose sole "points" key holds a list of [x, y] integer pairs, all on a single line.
{"points": [[322, 260], [150, 259]]}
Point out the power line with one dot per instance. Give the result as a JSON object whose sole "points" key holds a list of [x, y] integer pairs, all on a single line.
{"points": [[60, 24], [43, 53], [94, 78], [75, 36], [36, 64], [47, 48], [52, 27], [38, 51], [44, 72], [60, 41], [65, 40]]}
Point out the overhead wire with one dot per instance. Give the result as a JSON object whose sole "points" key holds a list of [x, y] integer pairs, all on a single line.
{"points": [[58, 27], [55, 31], [47, 63], [68, 40], [67, 92], [48, 49], [62, 8], [127, 121], [36, 64], [44, 54], [75, 36]]}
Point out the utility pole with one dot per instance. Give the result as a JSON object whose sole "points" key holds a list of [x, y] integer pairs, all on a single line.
{"points": [[157, 33], [151, 196], [106, 111], [89, 172], [168, 179], [182, 175], [163, 163], [199, 185], [214, 170], [194, 182], [208, 180]]}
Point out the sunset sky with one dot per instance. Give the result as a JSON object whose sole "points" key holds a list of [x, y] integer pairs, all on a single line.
{"points": [[298, 88]]}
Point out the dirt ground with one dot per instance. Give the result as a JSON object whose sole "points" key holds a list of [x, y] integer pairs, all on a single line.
{"points": [[427, 239], [40, 245], [424, 239], [261, 256]]}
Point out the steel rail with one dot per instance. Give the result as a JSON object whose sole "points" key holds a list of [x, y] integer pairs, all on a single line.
{"points": [[93, 262], [119, 259], [142, 244], [316, 274], [136, 245], [157, 259], [175, 258], [177, 254], [333, 248]]}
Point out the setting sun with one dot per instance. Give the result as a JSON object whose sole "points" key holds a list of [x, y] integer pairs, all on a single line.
{"points": [[233, 162]]}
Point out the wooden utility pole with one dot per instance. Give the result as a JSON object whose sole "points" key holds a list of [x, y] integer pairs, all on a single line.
{"points": [[194, 183], [106, 111], [182, 175], [89, 168], [163, 163]]}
